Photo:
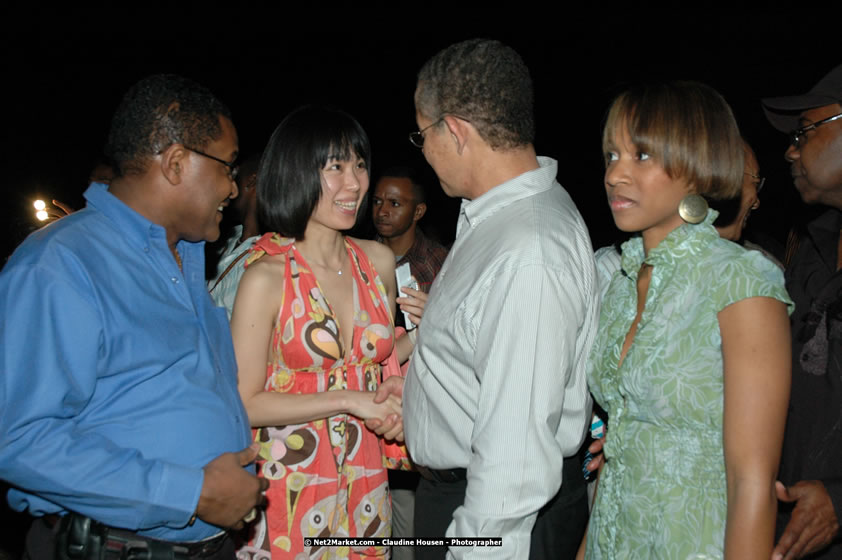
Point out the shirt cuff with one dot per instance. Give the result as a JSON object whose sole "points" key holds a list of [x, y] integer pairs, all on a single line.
{"points": [[515, 532], [178, 494]]}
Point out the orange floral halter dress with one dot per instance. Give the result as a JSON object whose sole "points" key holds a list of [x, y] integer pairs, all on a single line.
{"points": [[327, 476]]}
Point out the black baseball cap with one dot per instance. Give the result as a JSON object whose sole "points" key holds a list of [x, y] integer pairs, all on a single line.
{"points": [[783, 112]]}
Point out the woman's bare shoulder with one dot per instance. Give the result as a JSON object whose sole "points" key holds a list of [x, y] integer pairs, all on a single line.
{"points": [[377, 253], [267, 268], [259, 294]]}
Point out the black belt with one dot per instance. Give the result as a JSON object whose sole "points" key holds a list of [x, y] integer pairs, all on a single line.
{"points": [[81, 538], [445, 475], [571, 468]]}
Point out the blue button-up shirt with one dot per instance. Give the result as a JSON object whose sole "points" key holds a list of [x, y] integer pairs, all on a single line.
{"points": [[118, 380]]}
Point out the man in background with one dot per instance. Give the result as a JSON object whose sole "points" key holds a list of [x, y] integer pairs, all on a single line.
{"points": [[230, 268], [810, 486], [398, 205]]}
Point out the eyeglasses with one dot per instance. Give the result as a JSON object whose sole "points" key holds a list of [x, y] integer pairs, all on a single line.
{"points": [[795, 137], [760, 181], [233, 169], [417, 138]]}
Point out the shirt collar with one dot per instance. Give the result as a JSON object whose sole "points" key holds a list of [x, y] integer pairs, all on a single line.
{"points": [[419, 244], [683, 239], [524, 185], [135, 228]]}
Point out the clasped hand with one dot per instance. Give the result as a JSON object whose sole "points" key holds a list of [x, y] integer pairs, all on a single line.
{"points": [[390, 427], [368, 406]]}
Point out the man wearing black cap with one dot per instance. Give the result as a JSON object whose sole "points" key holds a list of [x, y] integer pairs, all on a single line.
{"points": [[810, 487]]}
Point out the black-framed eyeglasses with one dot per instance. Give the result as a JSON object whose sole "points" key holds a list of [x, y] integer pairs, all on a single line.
{"points": [[760, 181], [795, 137], [233, 168]]}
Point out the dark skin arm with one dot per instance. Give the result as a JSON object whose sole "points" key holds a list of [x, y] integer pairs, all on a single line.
{"points": [[66, 208]]}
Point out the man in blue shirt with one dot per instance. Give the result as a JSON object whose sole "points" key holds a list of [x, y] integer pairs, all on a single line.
{"points": [[120, 422]]}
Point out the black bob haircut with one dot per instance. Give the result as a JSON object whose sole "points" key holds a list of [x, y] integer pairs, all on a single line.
{"points": [[159, 111], [289, 180]]}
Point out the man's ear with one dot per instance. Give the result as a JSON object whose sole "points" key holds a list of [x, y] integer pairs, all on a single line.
{"points": [[249, 183], [173, 161], [420, 210], [459, 131]]}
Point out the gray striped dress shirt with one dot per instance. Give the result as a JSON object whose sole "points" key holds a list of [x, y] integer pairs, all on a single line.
{"points": [[497, 380]]}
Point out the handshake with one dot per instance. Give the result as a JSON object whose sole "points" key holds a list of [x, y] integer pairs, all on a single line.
{"points": [[387, 418]]}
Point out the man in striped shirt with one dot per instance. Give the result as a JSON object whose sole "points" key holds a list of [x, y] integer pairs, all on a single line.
{"points": [[495, 400]]}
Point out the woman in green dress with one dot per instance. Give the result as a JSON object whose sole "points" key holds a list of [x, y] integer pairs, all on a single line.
{"points": [[692, 358]]}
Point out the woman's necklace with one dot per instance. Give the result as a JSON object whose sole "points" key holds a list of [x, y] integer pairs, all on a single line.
{"points": [[339, 272]]}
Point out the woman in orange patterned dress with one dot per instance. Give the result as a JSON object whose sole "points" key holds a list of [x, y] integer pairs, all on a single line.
{"points": [[311, 323]]}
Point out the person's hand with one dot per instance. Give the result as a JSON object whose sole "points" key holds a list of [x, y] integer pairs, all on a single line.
{"points": [[598, 458], [66, 208], [363, 405], [229, 492], [813, 524], [413, 303], [391, 386], [391, 426]]}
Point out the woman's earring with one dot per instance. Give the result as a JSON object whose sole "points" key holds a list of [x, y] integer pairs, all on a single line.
{"points": [[693, 208]]}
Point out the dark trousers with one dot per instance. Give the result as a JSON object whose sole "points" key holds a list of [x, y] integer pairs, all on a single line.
{"points": [[557, 532]]}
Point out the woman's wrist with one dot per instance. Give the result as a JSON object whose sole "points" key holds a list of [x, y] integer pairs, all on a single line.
{"points": [[343, 402]]}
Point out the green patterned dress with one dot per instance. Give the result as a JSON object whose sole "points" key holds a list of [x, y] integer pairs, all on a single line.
{"points": [[662, 492]]}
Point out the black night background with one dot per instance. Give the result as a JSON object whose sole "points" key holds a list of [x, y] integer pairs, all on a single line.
{"points": [[61, 85]]}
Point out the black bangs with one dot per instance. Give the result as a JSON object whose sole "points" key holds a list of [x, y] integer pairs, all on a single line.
{"points": [[337, 135], [289, 180]]}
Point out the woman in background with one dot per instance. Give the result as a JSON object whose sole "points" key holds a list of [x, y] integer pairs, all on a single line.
{"points": [[732, 225]]}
